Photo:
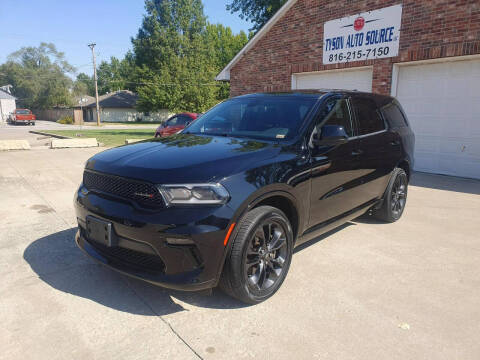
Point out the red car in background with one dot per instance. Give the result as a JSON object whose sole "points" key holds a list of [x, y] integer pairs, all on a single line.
{"points": [[22, 116], [175, 124]]}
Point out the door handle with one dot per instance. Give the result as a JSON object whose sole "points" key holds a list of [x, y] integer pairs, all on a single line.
{"points": [[357, 152], [395, 143]]}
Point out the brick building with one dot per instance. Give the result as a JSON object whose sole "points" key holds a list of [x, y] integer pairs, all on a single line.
{"points": [[424, 52]]}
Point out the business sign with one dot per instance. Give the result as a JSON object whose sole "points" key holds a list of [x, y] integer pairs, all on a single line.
{"points": [[370, 35]]}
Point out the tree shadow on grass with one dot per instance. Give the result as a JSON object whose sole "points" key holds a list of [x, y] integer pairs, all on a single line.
{"points": [[58, 262]]}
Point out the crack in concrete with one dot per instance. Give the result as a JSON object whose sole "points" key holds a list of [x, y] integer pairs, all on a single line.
{"points": [[165, 322]]}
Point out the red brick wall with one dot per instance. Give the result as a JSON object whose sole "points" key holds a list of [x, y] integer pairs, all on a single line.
{"points": [[430, 29]]}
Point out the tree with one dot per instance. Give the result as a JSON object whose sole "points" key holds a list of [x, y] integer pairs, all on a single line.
{"points": [[116, 74], [39, 76], [178, 54], [223, 46], [256, 11], [174, 67], [84, 85]]}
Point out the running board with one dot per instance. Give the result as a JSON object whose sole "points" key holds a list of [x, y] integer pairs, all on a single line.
{"points": [[332, 223]]}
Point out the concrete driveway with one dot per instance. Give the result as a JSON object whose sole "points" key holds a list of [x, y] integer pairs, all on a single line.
{"points": [[409, 290]]}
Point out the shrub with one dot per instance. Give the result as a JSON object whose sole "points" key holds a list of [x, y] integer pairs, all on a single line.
{"points": [[67, 120]]}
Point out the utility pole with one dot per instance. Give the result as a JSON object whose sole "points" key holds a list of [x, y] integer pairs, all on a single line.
{"points": [[92, 46]]}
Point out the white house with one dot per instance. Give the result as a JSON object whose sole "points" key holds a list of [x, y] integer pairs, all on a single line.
{"points": [[119, 106], [7, 104]]}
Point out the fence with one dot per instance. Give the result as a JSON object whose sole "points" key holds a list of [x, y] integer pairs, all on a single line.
{"points": [[52, 114]]}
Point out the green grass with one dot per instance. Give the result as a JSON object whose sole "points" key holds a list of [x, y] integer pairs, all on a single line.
{"points": [[141, 123], [109, 137]]}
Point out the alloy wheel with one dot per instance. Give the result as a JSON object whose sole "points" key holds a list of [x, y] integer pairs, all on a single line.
{"points": [[399, 195], [266, 256]]}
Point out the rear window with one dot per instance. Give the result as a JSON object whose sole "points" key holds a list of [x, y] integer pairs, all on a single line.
{"points": [[23, 112], [368, 116], [394, 115]]}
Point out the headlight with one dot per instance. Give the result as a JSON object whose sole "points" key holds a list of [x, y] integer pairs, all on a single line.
{"points": [[185, 194]]}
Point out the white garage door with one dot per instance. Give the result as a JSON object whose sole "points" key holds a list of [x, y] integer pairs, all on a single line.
{"points": [[442, 102], [351, 79]]}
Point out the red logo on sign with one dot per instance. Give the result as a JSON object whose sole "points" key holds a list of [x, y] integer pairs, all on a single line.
{"points": [[359, 23]]}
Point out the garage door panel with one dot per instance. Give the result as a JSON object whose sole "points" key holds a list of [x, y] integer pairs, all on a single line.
{"points": [[409, 90], [472, 147], [360, 79], [427, 144], [442, 101], [421, 127], [470, 169]]}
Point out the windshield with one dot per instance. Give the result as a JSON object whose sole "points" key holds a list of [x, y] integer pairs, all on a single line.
{"points": [[268, 117], [23, 112]]}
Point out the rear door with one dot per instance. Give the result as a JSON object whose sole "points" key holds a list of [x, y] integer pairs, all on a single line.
{"points": [[336, 171], [379, 148]]}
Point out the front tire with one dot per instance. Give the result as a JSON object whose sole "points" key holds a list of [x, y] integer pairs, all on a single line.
{"points": [[395, 197], [260, 256]]}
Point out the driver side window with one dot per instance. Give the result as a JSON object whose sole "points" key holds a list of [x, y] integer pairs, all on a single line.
{"points": [[173, 121], [336, 112]]}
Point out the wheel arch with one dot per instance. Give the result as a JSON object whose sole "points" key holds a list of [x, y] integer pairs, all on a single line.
{"points": [[280, 199], [405, 165]]}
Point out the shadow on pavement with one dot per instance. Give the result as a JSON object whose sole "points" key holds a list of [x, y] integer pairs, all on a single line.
{"points": [[322, 237], [444, 182], [58, 262]]}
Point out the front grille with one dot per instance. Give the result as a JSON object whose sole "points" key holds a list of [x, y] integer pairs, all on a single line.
{"points": [[144, 194], [131, 258]]}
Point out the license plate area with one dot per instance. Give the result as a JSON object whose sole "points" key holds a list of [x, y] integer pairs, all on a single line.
{"points": [[99, 231]]}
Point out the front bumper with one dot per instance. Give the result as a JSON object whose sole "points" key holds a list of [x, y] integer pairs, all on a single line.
{"points": [[177, 248]]}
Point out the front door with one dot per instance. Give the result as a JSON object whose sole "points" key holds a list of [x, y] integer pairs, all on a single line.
{"points": [[336, 173]]}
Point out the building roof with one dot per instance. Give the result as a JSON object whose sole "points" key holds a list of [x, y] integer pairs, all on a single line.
{"points": [[118, 99], [225, 73], [83, 100], [5, 95]]}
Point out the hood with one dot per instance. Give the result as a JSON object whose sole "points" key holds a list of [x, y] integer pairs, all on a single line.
{"points": [[183, 158]]}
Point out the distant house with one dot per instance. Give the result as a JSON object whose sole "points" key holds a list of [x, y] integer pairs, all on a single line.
{"points": [[7, 103], [118, 106]]}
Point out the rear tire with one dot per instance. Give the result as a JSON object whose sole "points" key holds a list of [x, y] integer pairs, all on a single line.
{"points": [[260, 256], [395, 198]]}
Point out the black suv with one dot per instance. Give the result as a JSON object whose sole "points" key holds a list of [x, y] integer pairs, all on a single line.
{"points": [[225, 202]]}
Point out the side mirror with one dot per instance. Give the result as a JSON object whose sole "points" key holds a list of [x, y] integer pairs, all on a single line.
{"points": [[331, 135]]}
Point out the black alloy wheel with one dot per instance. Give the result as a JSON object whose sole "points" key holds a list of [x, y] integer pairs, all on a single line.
{"points": [[260, 255], [395, 197], [399, 195], [266, 254]]}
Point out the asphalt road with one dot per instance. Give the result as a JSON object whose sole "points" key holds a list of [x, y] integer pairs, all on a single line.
{"points": [[409, 290]]}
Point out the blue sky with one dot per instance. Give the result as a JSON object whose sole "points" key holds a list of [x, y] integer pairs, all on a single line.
{"points": [[72, 24]]}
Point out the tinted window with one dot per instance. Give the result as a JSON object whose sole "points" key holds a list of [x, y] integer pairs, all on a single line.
{"points": [[394, 115], [184, 120], [269, 117], [335, 112], [368, 116]]}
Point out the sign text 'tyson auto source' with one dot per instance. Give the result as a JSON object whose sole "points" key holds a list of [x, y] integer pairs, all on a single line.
{"points": [[370, 35]]}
